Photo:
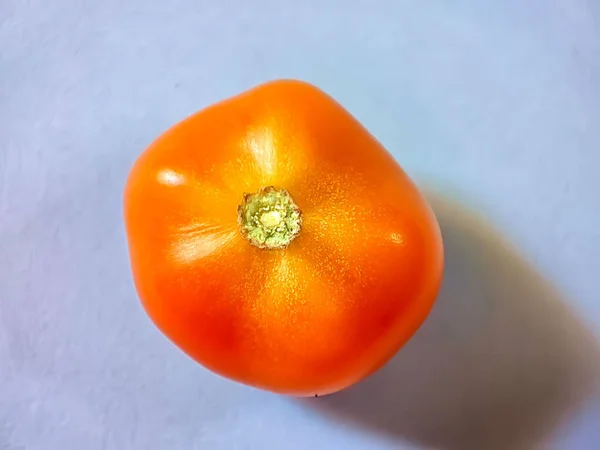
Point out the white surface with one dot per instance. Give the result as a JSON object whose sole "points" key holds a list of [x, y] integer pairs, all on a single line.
{"points": [[493, 103]]}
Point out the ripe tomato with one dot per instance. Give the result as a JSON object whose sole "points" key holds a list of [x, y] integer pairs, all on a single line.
{"points": [[277, 243]]}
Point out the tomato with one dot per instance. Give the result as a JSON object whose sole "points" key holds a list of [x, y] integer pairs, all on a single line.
{"points": [[278, 244]]}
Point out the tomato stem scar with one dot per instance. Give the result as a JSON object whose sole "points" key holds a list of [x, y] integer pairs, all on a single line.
{"points": [[269, 218]]}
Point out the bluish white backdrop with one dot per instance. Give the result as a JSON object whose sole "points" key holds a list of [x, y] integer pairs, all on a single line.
{"points": [[492, 106]]}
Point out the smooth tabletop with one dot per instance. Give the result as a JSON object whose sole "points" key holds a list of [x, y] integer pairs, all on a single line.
{"points": [[493, 107]]}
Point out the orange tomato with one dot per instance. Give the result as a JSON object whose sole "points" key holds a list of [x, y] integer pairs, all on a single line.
{"points": [[278, 244]]}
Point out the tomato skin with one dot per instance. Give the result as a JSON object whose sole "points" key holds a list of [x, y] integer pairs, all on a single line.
{"points": [[309, 319]]}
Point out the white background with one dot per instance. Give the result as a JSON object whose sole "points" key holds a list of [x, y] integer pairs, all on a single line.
{"points": [[492, 106]]}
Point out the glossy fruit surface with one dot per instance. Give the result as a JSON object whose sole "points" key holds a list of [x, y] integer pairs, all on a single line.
{"points": [[278, 244]]}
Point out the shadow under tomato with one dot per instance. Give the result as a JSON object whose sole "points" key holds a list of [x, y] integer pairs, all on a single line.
{"points": [[497, 364]]}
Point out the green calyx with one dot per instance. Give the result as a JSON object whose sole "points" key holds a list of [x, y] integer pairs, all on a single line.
{"points": [[269, 218]]}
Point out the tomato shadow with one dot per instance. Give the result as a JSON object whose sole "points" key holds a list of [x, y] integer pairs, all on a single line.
{"points": [[498, 363]]}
